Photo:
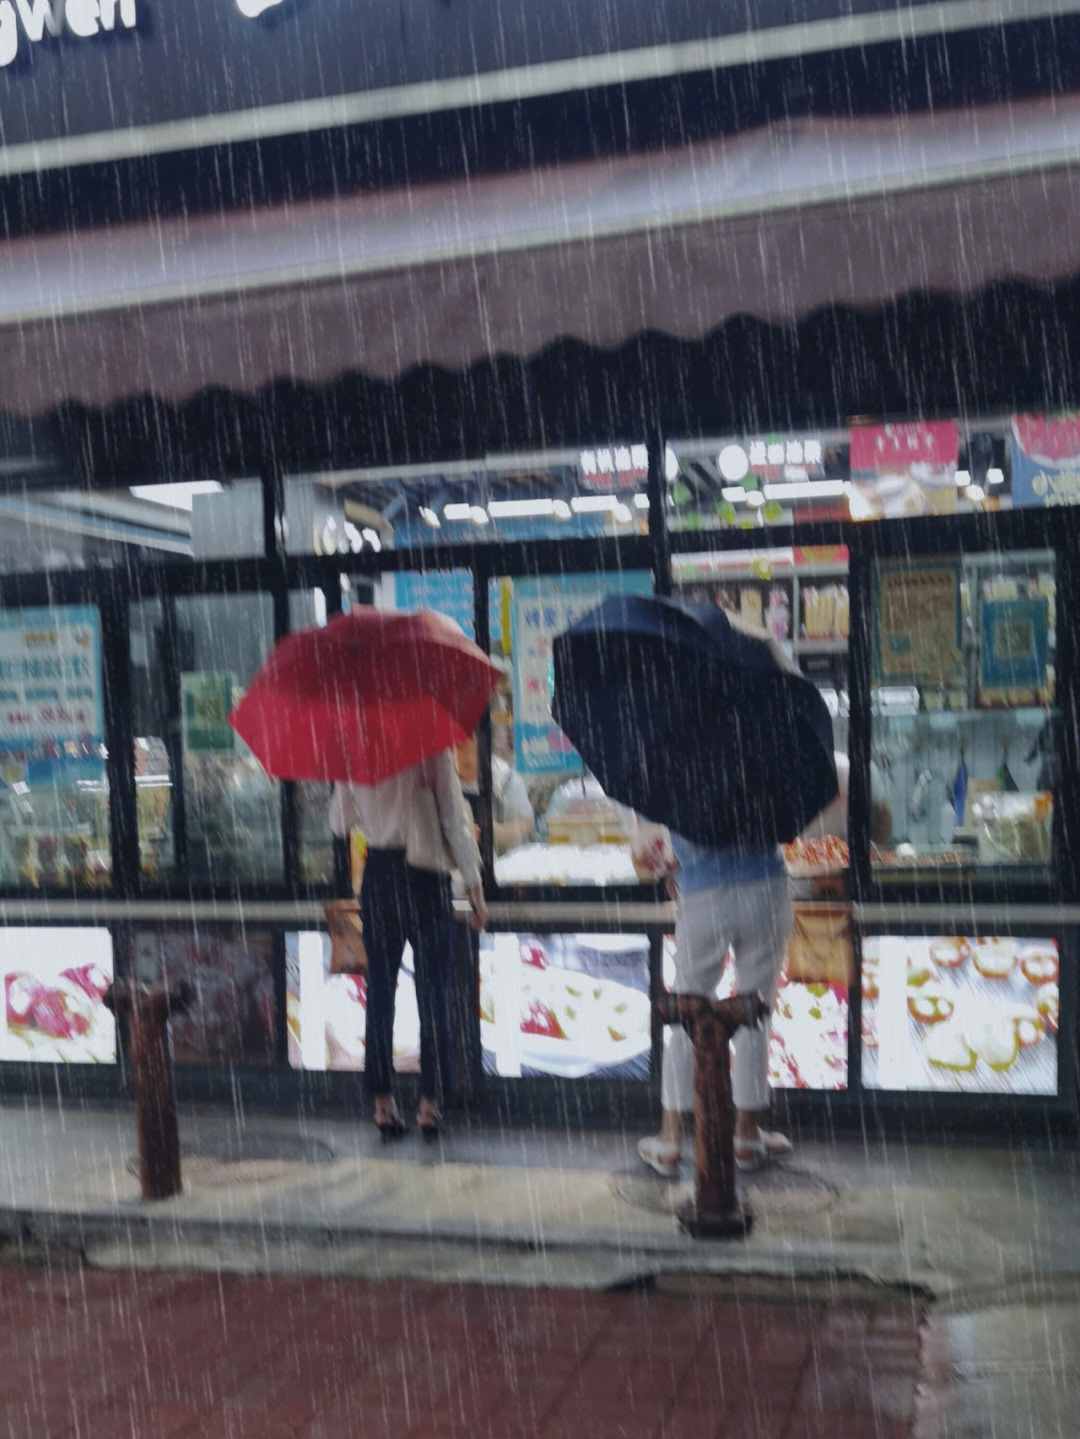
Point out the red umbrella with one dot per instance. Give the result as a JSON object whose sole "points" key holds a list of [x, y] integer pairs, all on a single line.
{"points": [[364, 696]]}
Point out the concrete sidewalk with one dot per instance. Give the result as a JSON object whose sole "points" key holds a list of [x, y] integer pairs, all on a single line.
{"points": [[535, 1205], [982, 1237]]}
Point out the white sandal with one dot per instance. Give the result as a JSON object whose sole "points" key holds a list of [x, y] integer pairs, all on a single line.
{"points": [[753, 1153], [662, 1158]]}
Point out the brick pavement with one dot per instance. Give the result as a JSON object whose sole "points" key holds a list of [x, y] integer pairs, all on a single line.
{"points": [[88, 1354]]}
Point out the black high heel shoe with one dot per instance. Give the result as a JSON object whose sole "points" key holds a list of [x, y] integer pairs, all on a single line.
{"points": [[432, 1128], [392, 1127]]}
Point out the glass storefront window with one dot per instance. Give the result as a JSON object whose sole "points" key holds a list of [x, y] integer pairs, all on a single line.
{"points": [[53, 782], [553, 823], [800, 596], [63, 527], [959, 1013], [872, 470], [591, 491], [964, 732], [307, 609], [188, 671]]}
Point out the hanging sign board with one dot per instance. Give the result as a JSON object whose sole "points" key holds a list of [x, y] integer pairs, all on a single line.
{"points": [[96, 80]]}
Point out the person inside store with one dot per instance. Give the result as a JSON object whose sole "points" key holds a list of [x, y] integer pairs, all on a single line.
{"points": [[729, 901], [418, 829], [833, 819], [511, 809]]}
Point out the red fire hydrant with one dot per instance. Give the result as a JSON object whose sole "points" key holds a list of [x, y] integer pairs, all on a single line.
{"points": [[714, 1211], [148, 1013]]}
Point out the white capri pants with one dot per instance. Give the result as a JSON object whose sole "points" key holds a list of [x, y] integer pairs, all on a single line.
{"points": [[754, 919]]}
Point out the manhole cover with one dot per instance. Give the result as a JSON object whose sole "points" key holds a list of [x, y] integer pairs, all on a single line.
{"points": [[779, 1190]]}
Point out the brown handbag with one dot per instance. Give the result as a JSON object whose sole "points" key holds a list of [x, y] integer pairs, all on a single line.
{"points": [[822, 945], [347, 953]]}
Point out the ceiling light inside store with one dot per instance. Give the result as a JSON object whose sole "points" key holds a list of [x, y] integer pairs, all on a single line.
{"points": [[374, 539], [429, 517], [478, 515], [671, 464], [519, 509], [732, 462], [963, 479], [807, 490], [178, 496], [994, 476], [561, 510], [641, 501], [755, 498], [457, 512], [593, 504], [976, 493], [734, 494], [623, 514]]}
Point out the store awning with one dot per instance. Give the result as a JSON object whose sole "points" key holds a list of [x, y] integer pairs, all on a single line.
{"points": [[774, 224]]}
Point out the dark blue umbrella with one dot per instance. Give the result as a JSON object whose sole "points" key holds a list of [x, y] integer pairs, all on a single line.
{"points": [[694, 719]]}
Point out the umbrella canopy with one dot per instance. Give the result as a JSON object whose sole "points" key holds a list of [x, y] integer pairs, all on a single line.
{"points": [[366, 695], [694, 719]]}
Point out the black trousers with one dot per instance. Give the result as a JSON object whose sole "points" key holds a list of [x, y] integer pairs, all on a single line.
{"points": [[397, 904]]}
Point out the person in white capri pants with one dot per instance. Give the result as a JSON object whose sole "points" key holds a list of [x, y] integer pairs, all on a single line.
{"points": [[730, 902]]}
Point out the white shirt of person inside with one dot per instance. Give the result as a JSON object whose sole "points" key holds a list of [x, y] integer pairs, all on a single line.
{"points": [[833, 819]]}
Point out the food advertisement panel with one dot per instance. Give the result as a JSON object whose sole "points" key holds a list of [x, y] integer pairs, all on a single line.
{"points": [[233, 1017], [808, 1032], [959, 1014], [326, 1013], [572, 1005], [54, 984]]}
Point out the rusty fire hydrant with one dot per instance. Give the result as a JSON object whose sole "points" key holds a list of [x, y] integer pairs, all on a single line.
{"points": [[713, 1212], [148, 1012]]}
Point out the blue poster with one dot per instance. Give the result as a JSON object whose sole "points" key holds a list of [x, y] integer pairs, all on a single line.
{"points": [[50, 681]]}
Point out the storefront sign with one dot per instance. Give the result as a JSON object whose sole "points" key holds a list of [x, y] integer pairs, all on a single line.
{"points": [[1045, 460], [542, 609], [152, 76], [50, 680], [35, 20], [903, 469]]}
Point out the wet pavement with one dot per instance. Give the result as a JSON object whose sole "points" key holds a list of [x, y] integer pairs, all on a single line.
{"points": [[938, 1285]]}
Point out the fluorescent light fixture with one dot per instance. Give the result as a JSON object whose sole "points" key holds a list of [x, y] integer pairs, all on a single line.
{"points": [[429, 517], [755, 499], [976, 493], [734, 494], [641, 501], [457, 512], [478, 515], [373, 538], [994, 476], [519, 509], [732, 462], [561, 510], [593, 504], [806, 490], [963, 479], [177, 496], [623, 514]]}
